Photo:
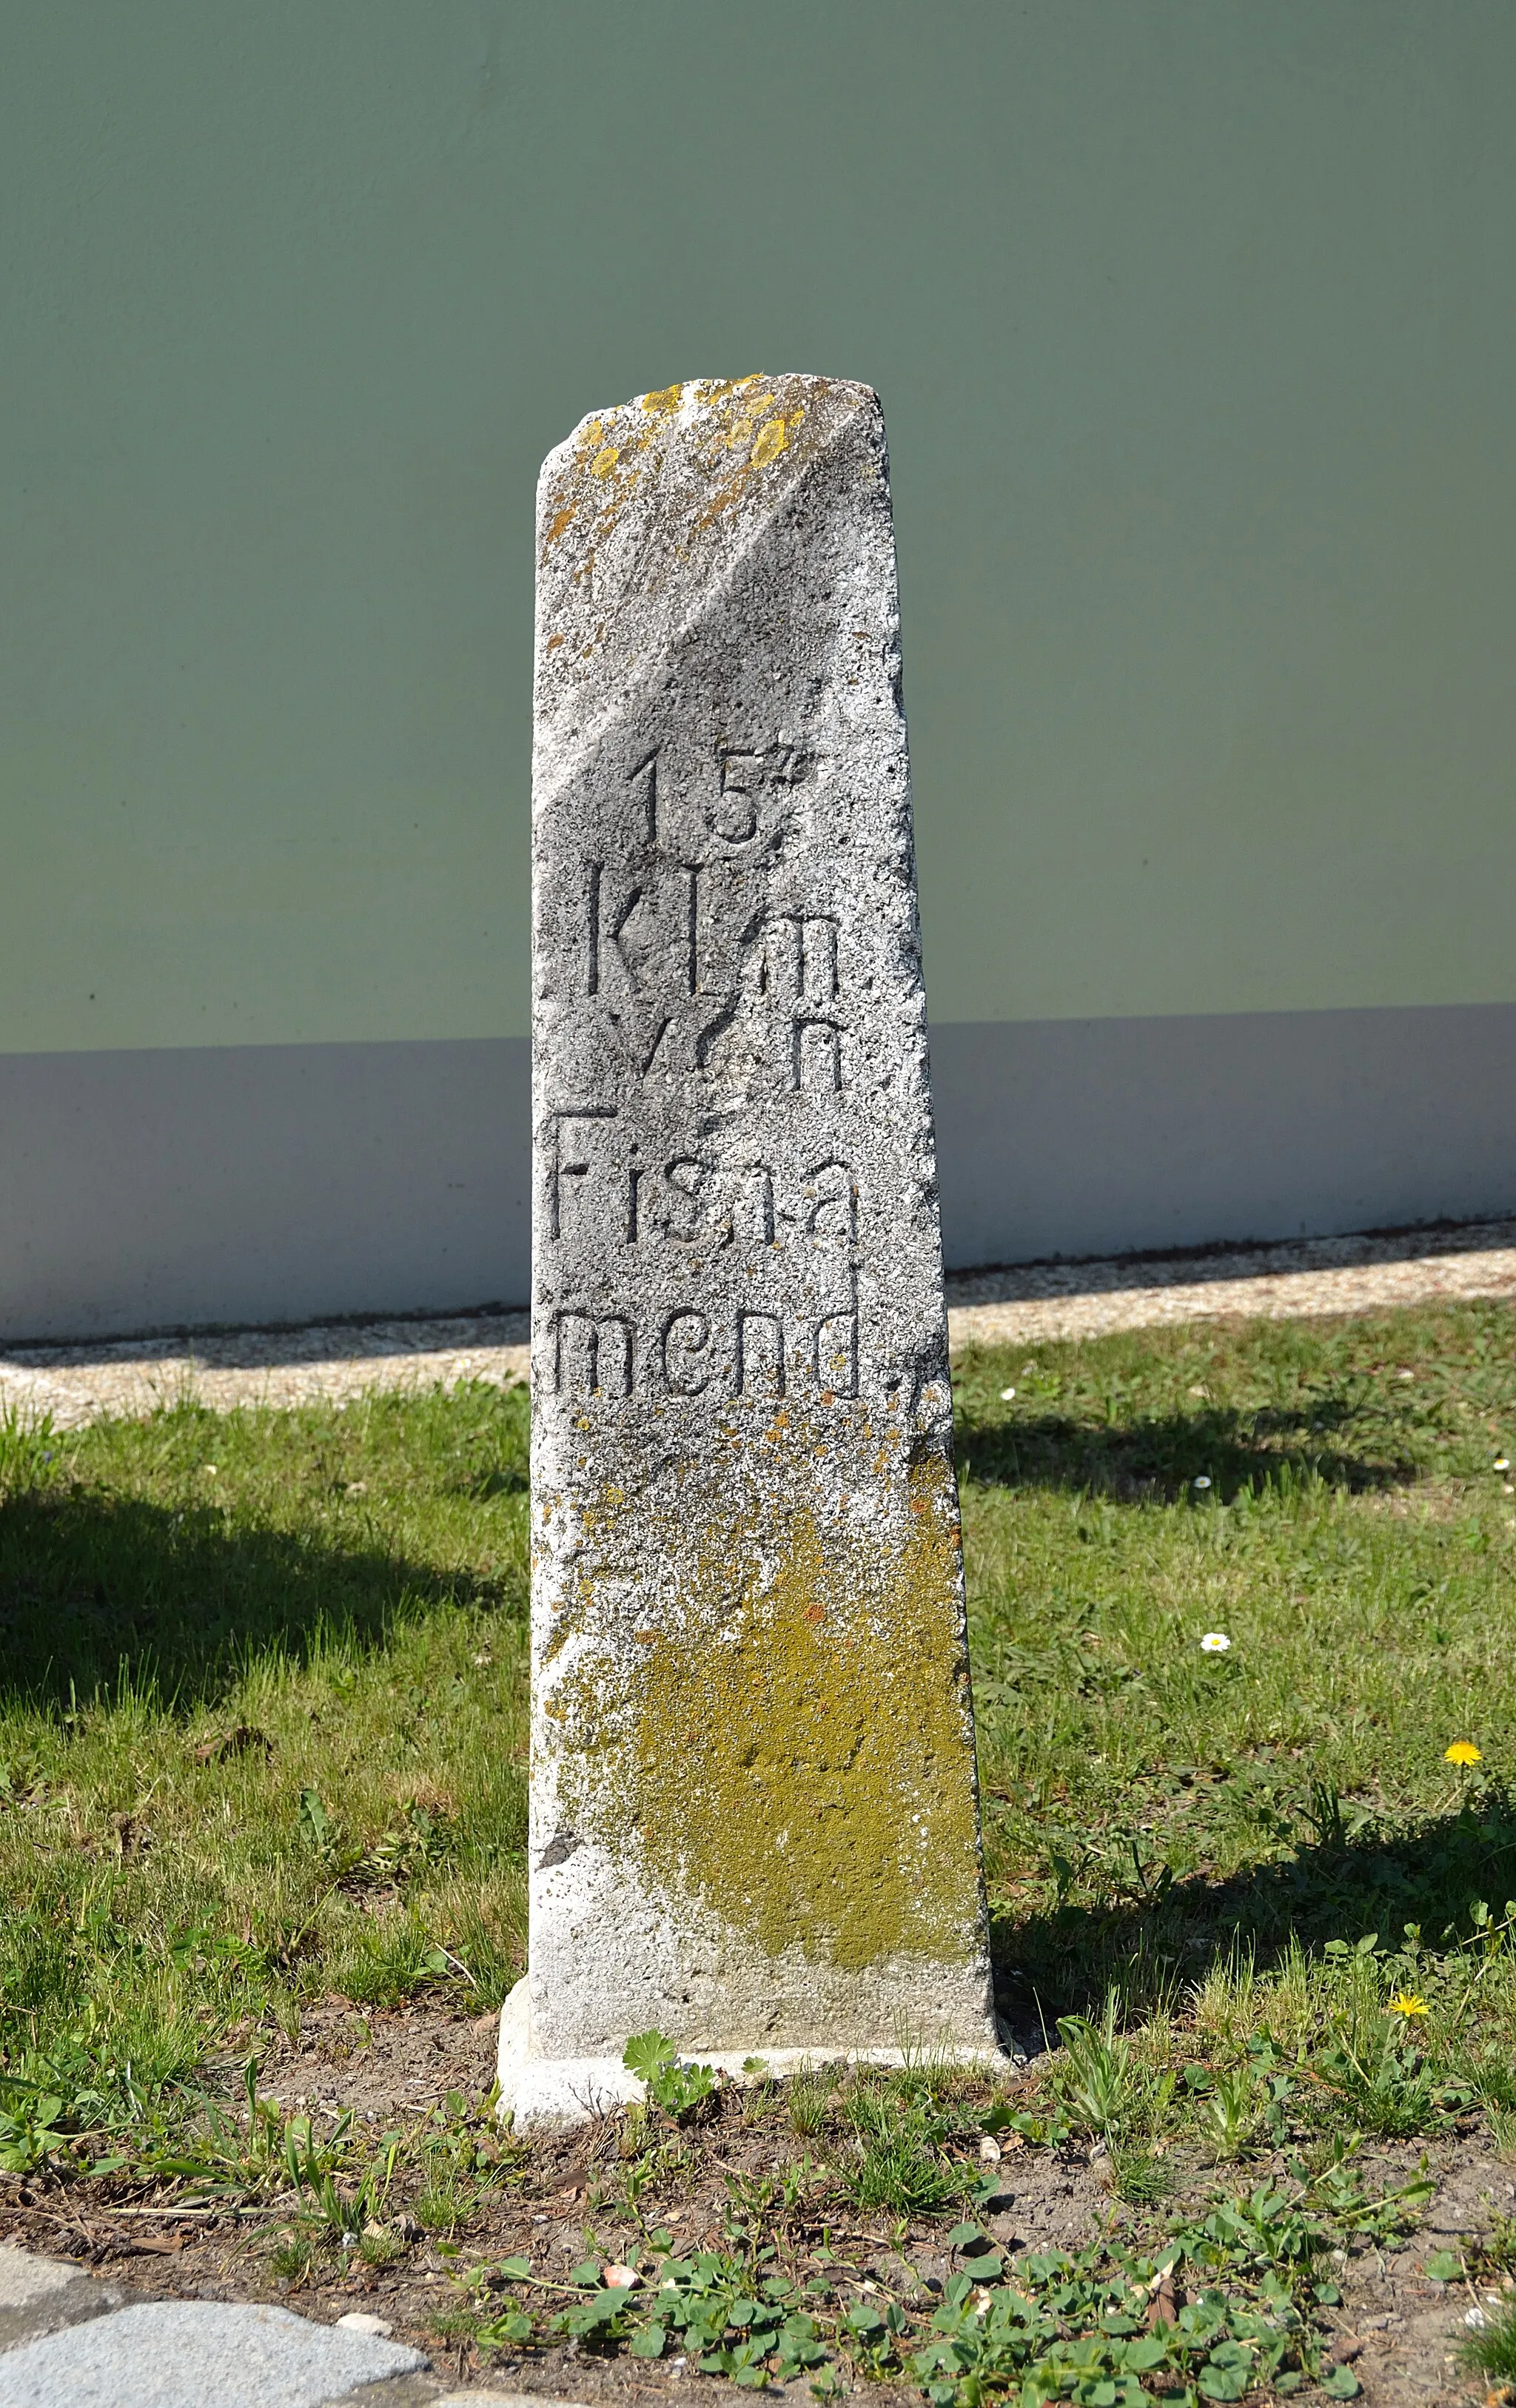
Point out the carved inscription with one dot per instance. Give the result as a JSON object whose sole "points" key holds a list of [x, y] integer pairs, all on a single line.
{"points": [[566, 1145], [705, 969], [594, 1353], [760, 1354], [816, 1056], [830, 1203], [697, 962], [620, 958], [750, 1351], [595, 1178], [644, 777], [742, 777], [797, 961], [685, 1353]]}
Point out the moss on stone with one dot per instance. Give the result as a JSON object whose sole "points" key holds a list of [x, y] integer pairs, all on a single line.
{"points": [[786, 1747]]}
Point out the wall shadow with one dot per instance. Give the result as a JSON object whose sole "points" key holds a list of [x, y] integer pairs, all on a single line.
{"points": [[1336, 1888], [1228, 1259], [100, 1595], [368, 1338], [1161, 1456]]}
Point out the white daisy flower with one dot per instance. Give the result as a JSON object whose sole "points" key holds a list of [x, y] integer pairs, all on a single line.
{"points": [[1202, 1479], [1007, 1394], [1215, 1642]]}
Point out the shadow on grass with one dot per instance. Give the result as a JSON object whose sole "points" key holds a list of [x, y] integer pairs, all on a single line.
{"points": [[1339, 1888], [109, 1595], [1161, 1456]]}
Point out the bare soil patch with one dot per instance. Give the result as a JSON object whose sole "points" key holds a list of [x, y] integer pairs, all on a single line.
{"points": [[1397, 2329]]}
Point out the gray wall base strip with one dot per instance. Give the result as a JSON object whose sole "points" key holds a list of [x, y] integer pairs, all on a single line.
{"points": [[256, 1184], [260, 1183], [1103, 1137]]}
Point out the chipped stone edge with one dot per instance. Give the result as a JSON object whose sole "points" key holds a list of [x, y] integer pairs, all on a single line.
{"points": [[555, 2093]]}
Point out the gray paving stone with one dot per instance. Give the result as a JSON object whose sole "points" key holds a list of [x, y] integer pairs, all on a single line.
{"points": [[43, 2294], [197, 2354], [76, 2303], [25, 2278]]}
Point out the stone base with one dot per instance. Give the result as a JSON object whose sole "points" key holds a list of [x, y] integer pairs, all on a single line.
{"points": [[550, 2093]]}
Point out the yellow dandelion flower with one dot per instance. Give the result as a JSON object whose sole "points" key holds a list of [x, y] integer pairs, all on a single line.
{"points": [[1406, 2003], [1463, 1750]]}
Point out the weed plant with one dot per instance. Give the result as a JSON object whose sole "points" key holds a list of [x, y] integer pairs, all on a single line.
{"points": [[1232, 2297], [263, 1729], [1491, 2352], [898, 2162]]}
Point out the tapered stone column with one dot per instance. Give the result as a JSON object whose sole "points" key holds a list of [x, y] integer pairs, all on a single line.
{"points": [[753, 1818]]}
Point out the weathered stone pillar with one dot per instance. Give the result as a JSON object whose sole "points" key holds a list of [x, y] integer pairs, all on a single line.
{"points": [[753, 1817]]}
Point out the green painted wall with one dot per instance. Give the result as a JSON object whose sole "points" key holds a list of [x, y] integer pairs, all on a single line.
{"points": [[1194, 324]]}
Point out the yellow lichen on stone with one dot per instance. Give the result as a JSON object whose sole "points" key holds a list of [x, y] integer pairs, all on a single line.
{"points": [[772, 439], [712, 391], [743, 415], [773, 436], [787, 1749]]}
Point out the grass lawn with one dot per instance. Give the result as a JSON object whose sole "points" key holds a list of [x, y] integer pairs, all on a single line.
{"points": [[262, 1733], [262, 1722]]}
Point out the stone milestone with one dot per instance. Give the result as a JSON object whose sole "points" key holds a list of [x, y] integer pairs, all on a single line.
{"points": [[753, 1815]]}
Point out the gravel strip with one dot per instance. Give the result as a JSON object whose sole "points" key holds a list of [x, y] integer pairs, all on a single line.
{"points": [[262, 1367], [1036, 1303], [1308, 1277]]}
